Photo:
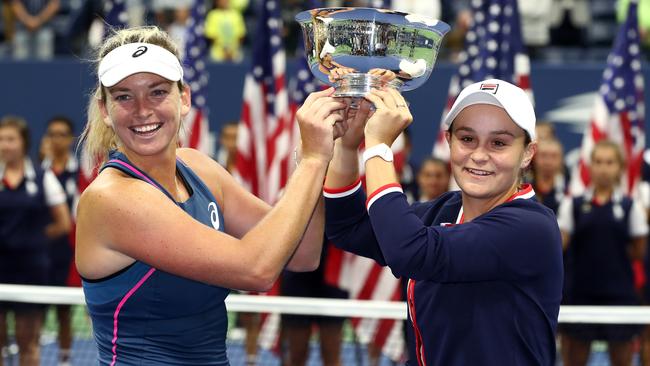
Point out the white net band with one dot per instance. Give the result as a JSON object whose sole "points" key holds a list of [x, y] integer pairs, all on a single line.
{"points": [[328, 307]]}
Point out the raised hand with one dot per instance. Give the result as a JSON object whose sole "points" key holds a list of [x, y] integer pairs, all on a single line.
{"points": [[356, 114], [321, 120], [390, 118]]}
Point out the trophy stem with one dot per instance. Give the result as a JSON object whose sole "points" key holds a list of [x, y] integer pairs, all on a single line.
{"points": [[359, 84]]}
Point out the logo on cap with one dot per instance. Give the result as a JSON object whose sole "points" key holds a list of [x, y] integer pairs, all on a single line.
{"points": [[139, 51], [489, 88]]}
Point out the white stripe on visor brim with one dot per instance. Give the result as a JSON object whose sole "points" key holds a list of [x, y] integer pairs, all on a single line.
{"points": [[132, 58]]}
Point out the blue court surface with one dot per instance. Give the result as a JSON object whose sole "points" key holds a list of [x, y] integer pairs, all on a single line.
{"points": [[83, 353]]}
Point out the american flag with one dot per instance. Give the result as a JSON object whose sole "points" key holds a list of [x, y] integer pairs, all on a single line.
{"points": [[265, 130], [304, 81], [265, 134], [493, 50], [362, 277], [195, 132], [303, 84], [619, 111]]}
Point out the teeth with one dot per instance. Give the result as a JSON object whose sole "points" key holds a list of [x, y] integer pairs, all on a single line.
{"points": [[147, 128], [478, 172]]}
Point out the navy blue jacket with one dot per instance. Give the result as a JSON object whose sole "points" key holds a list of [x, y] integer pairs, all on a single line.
{"points": [[486, 292]]}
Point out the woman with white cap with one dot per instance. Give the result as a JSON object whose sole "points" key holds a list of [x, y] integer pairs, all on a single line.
{"points": [[484, 264], [164, 232]]}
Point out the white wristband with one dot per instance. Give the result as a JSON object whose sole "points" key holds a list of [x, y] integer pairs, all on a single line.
{"points": [[381, 150]]}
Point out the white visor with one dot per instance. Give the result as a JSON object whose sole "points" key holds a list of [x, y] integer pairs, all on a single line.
{"points": [[514, 100], [133, 58]]}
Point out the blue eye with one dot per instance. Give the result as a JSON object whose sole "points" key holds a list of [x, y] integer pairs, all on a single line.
{"points": [[122, 97]]}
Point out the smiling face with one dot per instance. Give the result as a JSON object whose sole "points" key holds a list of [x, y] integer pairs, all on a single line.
{"points": [[145, 111], [488, 151]]}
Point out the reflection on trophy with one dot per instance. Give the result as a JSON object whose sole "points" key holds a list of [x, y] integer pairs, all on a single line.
{"points": [[356, 49]]}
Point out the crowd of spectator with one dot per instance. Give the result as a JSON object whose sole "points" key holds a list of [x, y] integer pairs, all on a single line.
{"points": [[553, 30]]}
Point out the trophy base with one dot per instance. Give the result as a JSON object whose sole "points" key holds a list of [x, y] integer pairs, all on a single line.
{"points": [[357, 85]]}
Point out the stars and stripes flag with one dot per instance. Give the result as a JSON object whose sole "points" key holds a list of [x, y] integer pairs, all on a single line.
{"points": [[303, 83], [195, 133], [298, 89], [619, 110], [493, 50], [265, 133], [265, 130], [363, 278]]}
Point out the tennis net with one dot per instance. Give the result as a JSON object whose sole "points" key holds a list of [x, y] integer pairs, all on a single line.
{"points": [[363, 320]]}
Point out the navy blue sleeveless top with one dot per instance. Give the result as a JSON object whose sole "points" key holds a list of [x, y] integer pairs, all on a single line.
{"points": [[144, 316], [24, 213], [600, 264]]}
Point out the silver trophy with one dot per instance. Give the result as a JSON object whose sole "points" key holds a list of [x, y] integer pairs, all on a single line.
{"points": [[356, 49]]}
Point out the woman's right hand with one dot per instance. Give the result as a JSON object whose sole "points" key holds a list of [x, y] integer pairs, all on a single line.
{"points": [[357, 114], [321, 121]]}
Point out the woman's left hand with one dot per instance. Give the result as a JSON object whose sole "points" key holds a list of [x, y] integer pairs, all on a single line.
{"points": [[391, 116]]}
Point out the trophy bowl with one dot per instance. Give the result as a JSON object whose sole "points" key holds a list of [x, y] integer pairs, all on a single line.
{"points": [[356, 49]]}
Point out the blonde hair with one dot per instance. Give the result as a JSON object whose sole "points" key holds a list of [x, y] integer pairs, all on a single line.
{"points": [[97, 139]]}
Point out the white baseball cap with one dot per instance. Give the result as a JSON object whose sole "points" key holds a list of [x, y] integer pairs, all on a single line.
{"points": [[132, 58], [511, 98]]}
